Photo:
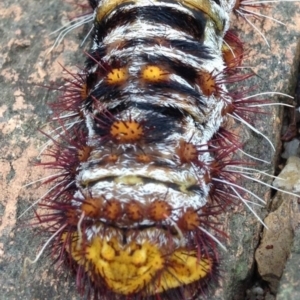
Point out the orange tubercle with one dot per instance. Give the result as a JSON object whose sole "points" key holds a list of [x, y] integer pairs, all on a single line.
{"points": [[134, 211], [207, 83], [84, 91], [117, 76], [159, 210], [143, 158], [127, 131], [187, 152], [154, 73], [92, 207], [112, 158], [189, 220], [84, 153], [112, 210]]}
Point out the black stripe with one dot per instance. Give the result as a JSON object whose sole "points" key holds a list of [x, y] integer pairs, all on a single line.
{"points": [[154, 14], [217, 1], [191, 47], [160, 126], [173, 112], [166, 89], [107, 93], [188, 46], [95, 56]]}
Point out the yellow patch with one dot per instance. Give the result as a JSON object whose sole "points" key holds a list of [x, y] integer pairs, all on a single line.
{"points": [[154, 73], [206, 7], [125, 269], [129, 180], [184, 268], [126, 131], [134, 267], [108, 6], [117, 76]]}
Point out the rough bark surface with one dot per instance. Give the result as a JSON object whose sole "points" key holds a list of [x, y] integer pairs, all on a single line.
{"points": [[25, 28]]}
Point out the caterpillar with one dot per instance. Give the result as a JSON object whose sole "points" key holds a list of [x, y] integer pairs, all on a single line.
{"points": [[209, 247]]}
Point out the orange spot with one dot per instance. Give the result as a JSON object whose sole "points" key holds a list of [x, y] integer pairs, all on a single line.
{"points": [[117, 76], [134, 211], [189, 220], [84, 91], [112, 210], [143, 158], [126, 131], [159, 210], [154, 73], [84, 153], [207, 84], [187, 152], [92, 207], [112, 158]]}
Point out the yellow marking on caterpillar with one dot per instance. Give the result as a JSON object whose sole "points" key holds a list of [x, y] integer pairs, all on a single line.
{"points": [[117, 76], [137, 267]]}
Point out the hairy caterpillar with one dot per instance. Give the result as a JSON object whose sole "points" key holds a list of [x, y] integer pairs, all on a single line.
{"points": [[266, 146]]}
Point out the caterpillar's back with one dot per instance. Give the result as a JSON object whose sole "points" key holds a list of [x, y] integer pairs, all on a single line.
{"points": [[147, 165]]}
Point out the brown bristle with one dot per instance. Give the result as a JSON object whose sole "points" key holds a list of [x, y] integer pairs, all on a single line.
{"points": [[92, 207], [72, 217], [227, 109], [207, 177], [237, 4], [232, 50], [126, 131], [159, 210]]}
